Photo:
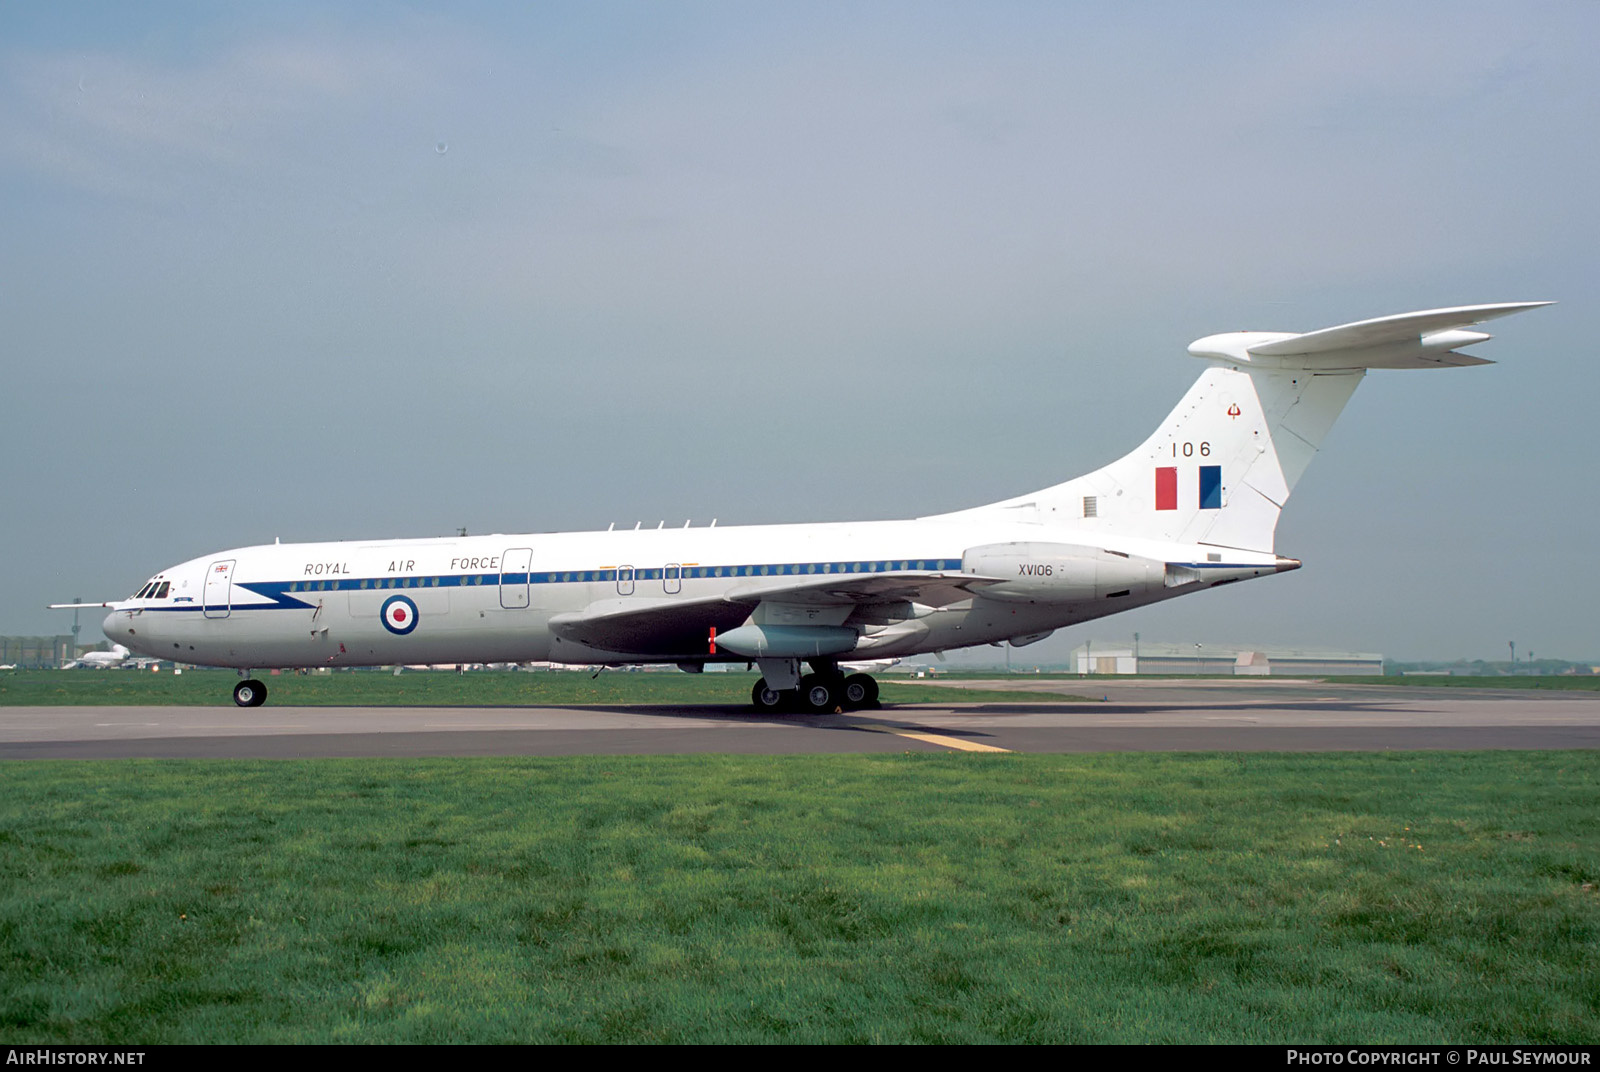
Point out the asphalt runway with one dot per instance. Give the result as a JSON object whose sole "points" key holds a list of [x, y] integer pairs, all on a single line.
{"points": [[1138, 715]]}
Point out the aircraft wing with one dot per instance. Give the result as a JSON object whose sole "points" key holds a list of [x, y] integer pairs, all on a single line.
{"points": [[931, 588], [671, 624]]}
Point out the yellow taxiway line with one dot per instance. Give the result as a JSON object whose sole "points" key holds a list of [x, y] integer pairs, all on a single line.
{"points": [[935, 738]]}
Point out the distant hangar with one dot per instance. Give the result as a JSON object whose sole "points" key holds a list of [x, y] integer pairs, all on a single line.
{"points": [[1244, 661]]}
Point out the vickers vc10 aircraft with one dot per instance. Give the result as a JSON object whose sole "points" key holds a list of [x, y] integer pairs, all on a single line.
{"points": [[1195, 506]]}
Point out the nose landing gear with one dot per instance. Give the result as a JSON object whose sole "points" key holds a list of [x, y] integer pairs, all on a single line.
{"points": [[250, 693]]}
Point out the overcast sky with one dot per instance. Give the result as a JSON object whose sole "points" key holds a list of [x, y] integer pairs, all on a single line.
{"points": [[331, 271]]}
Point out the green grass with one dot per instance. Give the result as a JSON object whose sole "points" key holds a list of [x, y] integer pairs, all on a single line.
{"points": [[431, 689], [1417, 897]]}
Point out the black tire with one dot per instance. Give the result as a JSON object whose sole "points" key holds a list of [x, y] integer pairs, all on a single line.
{"points": [[769, 701], [860, 690], [819, 695], [250, 693]]}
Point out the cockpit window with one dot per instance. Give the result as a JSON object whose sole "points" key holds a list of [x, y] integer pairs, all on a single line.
{"points": [[144, 592], [161, 590]]}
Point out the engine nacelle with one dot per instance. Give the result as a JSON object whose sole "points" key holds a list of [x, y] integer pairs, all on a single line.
{"points": [[1060, 572]]}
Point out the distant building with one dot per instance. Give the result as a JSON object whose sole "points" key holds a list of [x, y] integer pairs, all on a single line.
{"points": [[37, 652], [1091, 659], [1257, 661]]}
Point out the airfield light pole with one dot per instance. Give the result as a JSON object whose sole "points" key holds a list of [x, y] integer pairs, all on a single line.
{"points": [[75, 599], [1513, 644], [1136, 653]]}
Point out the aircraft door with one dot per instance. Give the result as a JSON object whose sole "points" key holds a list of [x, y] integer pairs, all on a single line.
{"points": [[672, 578], [514, 577], [624, 580], [217, 597]]}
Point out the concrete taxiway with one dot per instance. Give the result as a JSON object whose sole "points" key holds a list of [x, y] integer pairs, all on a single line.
{"points": [[1131, 715]]}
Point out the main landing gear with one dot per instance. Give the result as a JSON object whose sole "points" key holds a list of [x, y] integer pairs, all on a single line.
{"points": [[818, 694], [250, 693]]}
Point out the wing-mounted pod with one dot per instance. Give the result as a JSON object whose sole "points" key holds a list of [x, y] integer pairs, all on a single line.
{"points": [[788, 641], [1061, 573]]}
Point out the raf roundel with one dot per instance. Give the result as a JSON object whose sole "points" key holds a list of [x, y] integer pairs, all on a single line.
{"points": [[399, 615]]}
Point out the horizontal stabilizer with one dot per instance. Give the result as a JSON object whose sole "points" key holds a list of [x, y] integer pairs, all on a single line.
{"points": [[1423, 339]]}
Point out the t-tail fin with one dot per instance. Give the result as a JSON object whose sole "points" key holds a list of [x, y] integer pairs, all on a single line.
{"points": [[1219, 469]]}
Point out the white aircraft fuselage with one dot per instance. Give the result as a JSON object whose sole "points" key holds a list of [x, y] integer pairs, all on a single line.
{"points": [[1195, 506], [494, 598], [100, 660]]}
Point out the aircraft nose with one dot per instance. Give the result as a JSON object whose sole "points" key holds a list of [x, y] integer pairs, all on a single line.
{"points": [[117, 627]]}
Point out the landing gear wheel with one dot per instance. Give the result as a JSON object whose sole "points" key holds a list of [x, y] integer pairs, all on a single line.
{"points": [[819, 695], [768, 701], [860, 690], [251, 693]]}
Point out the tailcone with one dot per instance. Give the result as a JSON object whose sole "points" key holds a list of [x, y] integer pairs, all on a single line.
{"points": [[1287, 564]]}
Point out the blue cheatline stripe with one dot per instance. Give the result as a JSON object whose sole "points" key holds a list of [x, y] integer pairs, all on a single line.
{"points": [[293, 595], [1211, 487]]}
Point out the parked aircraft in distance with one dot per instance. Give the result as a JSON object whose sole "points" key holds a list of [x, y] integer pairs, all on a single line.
{"points": [[100, 660], [1194, 507]]}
